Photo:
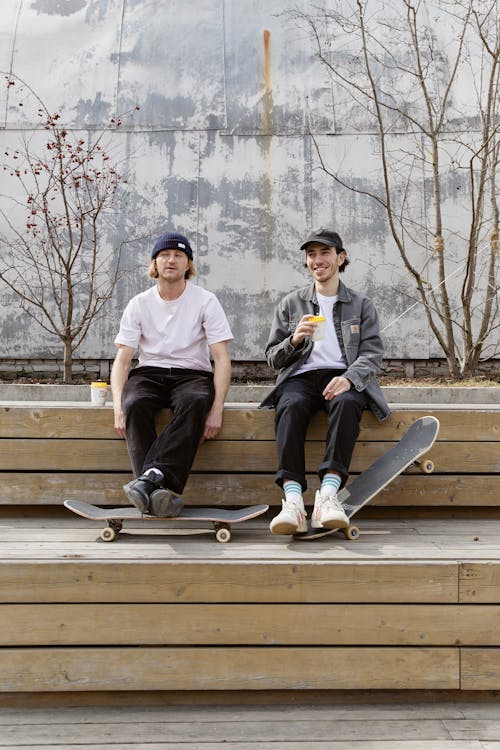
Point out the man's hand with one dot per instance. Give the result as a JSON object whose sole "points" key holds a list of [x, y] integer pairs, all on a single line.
{"points": [[222, 378], [213, 423], [120, 422], [119, 374], [304, 329], [336, 386]]}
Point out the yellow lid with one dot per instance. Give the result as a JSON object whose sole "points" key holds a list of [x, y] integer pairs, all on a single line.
{"points": [[99, 384], [317, 318]]}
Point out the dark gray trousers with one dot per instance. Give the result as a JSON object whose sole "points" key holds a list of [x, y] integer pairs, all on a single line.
{"points": [[189, 394], [298, 399]]}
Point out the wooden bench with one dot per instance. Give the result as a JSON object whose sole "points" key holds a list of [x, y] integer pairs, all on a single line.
{"points": [[51, 452], [414, 604]]}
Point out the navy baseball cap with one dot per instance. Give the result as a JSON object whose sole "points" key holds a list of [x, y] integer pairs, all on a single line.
{"points": [[172, 241], [325, 237]]}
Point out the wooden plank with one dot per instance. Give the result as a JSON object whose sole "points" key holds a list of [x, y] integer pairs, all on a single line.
{"points": [[480, 582], [201, 721], [55, 534], [424, 726], [448, 490], [480, 668], [243, 422], [388, 539], [408, 490], [390, 722], [366, 710], [248, 624], [292, 734], [18, 421], [227, 580], [46, 488], [217, 668], [222, 456], [316, 744]]}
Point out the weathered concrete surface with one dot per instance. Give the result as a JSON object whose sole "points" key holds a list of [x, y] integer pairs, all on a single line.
{"points": [[221, 149]]}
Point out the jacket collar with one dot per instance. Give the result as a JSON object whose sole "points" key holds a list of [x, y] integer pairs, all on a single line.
{"points": [[343, 294]]}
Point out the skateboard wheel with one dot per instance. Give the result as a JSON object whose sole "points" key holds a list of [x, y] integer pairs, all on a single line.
{"points": [[108, 534], [223, 535], [427, 467], [351, 533]]}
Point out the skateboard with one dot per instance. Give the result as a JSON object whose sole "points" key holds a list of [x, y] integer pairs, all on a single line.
{"points": [[219, 517], [415, 443]]}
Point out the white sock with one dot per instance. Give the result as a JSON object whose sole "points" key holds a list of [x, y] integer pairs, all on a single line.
{"points": [[156, 473], [293, 491], [330, 485]]}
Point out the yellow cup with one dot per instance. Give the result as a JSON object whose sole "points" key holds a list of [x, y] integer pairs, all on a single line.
{"points": [[319, 331], [98, 393]]}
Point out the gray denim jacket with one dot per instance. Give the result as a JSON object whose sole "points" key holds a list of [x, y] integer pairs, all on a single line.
{"points": [[356, 323]]}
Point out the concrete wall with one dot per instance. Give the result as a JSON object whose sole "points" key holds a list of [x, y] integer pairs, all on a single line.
{"points": [[220, 150]]}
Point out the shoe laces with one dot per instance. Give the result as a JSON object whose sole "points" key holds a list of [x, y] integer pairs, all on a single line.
{"points": [[331, 501], [294, 505], [152, 478]]}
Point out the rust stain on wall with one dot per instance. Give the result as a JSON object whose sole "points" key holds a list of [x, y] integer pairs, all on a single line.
{"points": [[266, 118], [267, 220]]}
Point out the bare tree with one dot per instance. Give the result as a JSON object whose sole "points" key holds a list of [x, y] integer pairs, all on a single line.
{"points": [[54, 257], [403, 85]]}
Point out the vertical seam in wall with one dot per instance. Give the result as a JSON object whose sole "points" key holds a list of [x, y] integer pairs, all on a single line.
{"points": [[223, 48], [117, 87], [308, 159], [428, 253], [309, 201], [198, 173], [11, 62]]}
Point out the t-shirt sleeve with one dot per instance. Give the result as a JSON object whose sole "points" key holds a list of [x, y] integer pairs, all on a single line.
{"points": [[130, 327], [215, 322]]}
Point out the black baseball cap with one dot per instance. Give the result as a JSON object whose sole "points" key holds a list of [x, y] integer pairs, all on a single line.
{"points": [[325, 237]]}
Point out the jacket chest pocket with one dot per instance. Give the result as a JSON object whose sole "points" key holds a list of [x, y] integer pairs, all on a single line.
{"points": [[351, 333]]}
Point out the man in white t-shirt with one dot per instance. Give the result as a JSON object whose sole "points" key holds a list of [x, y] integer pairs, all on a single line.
{"points": [[335, 374], [177, 327]]}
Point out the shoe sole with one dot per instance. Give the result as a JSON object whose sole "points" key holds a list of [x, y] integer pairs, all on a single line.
{"points": [[332, 523], [135, 498], [285, 528], [164, 504]]}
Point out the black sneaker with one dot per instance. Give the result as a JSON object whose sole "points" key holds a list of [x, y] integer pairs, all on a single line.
{"points": [[164, 504], [139, 490]]}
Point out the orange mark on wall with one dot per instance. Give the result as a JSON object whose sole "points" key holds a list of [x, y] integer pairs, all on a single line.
{"points": [[266, 119]]}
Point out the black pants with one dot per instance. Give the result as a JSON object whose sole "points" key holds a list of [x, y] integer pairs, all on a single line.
{"points": [[189, 394], [299, 398]]}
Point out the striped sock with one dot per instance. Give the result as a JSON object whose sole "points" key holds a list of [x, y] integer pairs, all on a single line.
{"points": [[293, 491], [330, 484]]}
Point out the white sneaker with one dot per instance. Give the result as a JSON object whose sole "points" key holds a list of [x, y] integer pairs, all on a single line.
{"points": [[291, 519], [328, 513]]}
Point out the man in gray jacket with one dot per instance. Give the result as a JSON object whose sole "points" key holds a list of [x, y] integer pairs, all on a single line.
{"points": [[334, 371]]}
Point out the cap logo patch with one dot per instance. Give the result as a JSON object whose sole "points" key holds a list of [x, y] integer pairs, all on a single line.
{"points": [[181, 245]]}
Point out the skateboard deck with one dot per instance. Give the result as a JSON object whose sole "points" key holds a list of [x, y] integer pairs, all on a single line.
{"points": [[416, 441], [221, 518]]}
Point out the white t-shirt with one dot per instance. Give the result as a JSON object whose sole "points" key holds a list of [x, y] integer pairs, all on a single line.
{"points": [[175, 333], [325, 354]]}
